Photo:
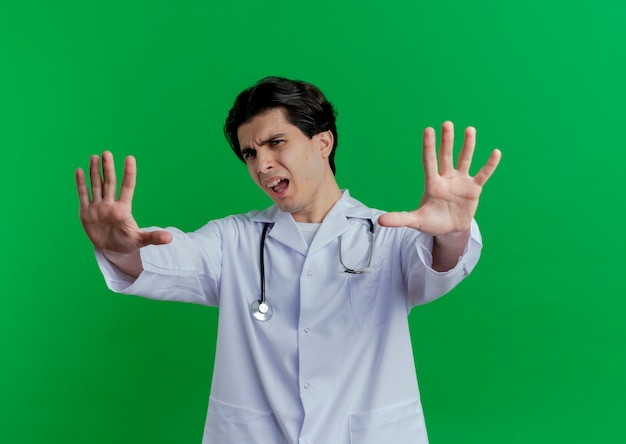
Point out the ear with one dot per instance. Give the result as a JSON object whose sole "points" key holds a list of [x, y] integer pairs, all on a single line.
{"points": [[326, 140]]}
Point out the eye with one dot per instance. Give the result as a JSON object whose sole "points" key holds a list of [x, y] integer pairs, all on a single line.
{"points": [[275, 142], [248, 154]]}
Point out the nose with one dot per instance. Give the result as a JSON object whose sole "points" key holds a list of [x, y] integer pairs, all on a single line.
{"points": [[264, 161]]}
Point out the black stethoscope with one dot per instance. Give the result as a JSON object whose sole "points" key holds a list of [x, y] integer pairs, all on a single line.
{"points": [[261, 308]]}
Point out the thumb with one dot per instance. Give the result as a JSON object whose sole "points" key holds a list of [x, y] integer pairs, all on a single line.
{"points": [[159, 237], [398, 219]]}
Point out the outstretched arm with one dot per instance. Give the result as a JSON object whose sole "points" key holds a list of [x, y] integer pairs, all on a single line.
{"points": [[450, 195], [107, 221]]}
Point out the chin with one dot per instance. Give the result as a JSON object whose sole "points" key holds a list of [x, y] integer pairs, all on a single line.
{"points": [[285, 208]]}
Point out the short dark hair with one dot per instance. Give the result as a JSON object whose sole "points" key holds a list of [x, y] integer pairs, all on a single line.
{"points": [[305, 107]]}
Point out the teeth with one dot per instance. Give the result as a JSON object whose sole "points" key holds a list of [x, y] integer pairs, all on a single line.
{"points": [[273, 183]]}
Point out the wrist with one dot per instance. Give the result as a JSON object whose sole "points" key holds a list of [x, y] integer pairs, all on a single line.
{"points": [[455, 238], [129, 263], [448, 248]]}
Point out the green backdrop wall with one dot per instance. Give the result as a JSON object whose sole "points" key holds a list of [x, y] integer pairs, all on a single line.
{"points": [[530, 348]]}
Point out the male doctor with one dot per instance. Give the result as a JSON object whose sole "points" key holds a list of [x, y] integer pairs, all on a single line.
{"points": [[313, 341]]}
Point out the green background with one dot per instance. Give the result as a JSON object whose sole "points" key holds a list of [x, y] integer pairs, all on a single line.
{"points": [[529, 349]]}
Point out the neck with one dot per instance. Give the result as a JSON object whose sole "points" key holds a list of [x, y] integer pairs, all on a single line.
{"points": [[316, 215]]}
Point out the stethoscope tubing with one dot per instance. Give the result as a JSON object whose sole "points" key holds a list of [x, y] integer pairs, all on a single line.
{"points": [[262, 261], [369, 255], [261, 309]]}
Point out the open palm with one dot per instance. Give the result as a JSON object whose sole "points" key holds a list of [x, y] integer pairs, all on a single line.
{"points": [[108, 221], [450, 195]]}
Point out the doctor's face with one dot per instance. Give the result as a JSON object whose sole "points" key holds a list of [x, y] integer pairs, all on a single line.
{"points": [[290, 168]]}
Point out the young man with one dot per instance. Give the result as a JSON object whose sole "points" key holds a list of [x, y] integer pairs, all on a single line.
{"points": [[313, 343]]}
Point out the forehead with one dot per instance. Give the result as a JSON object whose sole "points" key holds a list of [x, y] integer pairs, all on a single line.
{"points": [[264, 125]]}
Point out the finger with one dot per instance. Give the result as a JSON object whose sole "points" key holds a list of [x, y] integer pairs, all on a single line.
{"points": [[94, 176], [429, 154], [446, 161], [110, 181], [467, 151], [81, 187], [487, 170], [159, 237], [128, 181], [399, 219]]}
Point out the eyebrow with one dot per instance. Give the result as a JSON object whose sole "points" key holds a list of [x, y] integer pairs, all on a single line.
{"points": [[264, 141]]}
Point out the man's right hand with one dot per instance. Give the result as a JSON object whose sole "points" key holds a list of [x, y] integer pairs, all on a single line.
{"points": [[108, 221]]}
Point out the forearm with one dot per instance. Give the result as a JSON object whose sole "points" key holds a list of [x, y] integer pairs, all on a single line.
{"points": [[127, 263], [448, 248]]}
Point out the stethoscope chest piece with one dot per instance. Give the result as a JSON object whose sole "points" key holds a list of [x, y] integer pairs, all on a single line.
{"points": [[261, 310]]}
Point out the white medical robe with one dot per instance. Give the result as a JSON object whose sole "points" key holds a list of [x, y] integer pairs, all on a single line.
{"points": [[334, 364]]}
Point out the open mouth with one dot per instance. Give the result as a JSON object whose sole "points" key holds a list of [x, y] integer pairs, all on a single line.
{"points": [[279, 185]]}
